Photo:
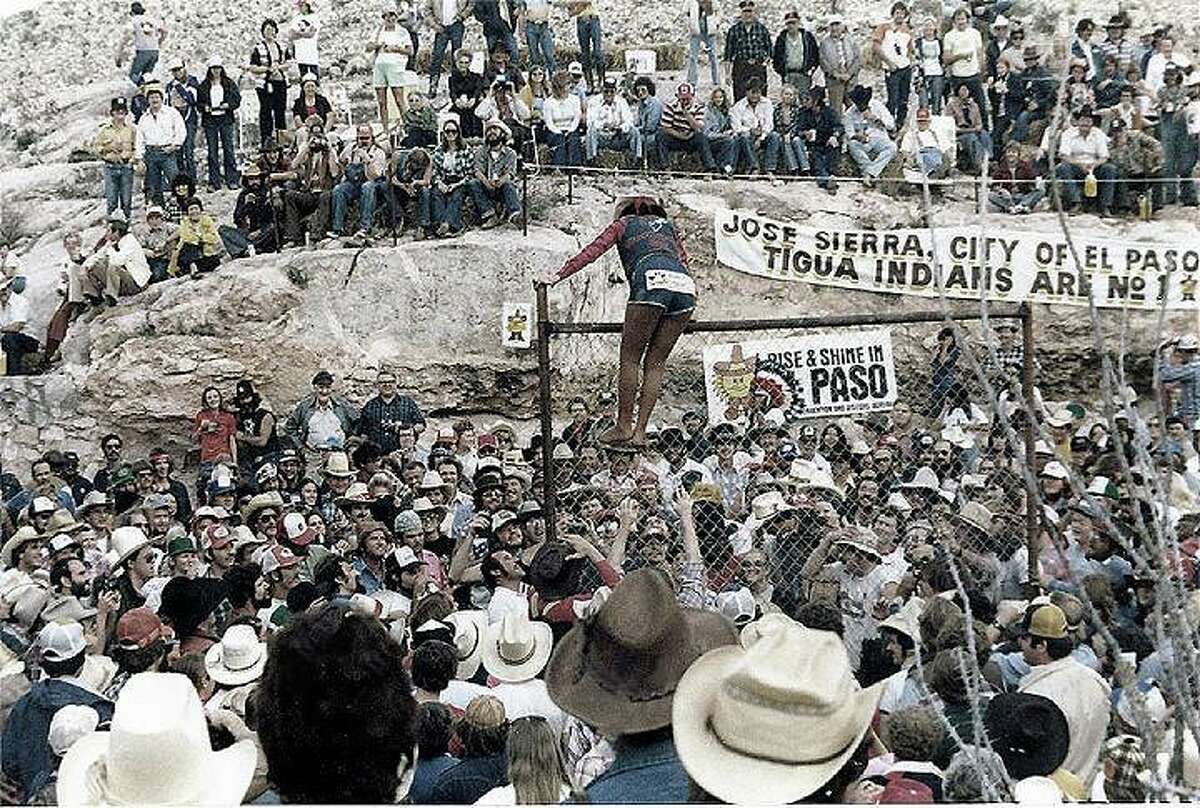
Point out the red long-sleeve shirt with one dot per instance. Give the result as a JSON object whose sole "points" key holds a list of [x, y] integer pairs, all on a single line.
{"points": [[605, 241]]}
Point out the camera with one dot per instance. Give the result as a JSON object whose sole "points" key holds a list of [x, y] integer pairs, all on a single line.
{"points": [[318, 143]]}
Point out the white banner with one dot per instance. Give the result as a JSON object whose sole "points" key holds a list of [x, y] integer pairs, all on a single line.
{"points": [[1006, 266], [814, 375]]}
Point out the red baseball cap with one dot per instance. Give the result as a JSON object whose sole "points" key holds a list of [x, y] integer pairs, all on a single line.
{"points": [[139, 628], [218, 536], [488, 439]]}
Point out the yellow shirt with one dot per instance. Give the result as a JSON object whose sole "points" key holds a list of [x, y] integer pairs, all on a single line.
{"points": [[114, 144], [203, 233]]}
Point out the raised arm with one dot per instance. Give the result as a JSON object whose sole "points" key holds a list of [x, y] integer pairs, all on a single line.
{"points": [[588, 254]]}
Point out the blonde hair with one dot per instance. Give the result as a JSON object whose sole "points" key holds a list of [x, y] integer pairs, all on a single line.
{"points": [[535, 765]]}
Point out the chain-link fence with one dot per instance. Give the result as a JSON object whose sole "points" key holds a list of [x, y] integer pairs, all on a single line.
{"points": [[785, 432]]}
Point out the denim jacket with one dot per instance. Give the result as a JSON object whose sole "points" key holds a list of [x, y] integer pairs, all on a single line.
{"points": [[645, 770]]}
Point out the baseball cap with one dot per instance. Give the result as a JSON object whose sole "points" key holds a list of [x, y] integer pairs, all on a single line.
{"points": [[1056, 470], [140, 628], [446, 433], [405, 557], [296, 530], [157, 502], [42, 505], [1048, 622], [487, 439], [575, 69], [61, 641], [322, 377], [278, 557], [218, 536]]}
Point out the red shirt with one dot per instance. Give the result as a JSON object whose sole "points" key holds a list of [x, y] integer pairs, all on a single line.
{"points": [[214, 443]]}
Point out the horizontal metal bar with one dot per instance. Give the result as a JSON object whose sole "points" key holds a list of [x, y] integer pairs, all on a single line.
{"points": [[1005, 312]]}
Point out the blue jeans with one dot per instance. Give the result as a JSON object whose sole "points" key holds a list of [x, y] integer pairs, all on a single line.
{"points": [[697, 143], [1177, 148], [614, 141], [1004, 200], [1071, 176], [485, 199], [976, 146], [143, 62], [187, 154], [824, 160], [564, 148], [795, 152], [451, 36], [539, 36], [219, 139], [930, 159], [1020, 127], [873, 156], [367, 194], [899, 88], [161, 168], [118, 188], [447, 208], [693, 66], [932, 92], [501, 35], [591, 53]]}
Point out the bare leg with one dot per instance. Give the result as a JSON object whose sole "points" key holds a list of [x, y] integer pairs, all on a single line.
{"points": [[401, 96], [381, 97], [655, 362], [640, 324]]}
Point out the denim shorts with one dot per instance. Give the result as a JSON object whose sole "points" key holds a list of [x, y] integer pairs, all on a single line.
{"points": [[669, 287]]}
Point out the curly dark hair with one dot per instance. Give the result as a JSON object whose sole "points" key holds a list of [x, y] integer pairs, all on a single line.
{"points": [[435, 728], [434, 664], [336, 712], [822, 616]]}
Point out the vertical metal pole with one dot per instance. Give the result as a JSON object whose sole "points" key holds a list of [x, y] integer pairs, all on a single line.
{"points": [[1032, 517], [544, 404], [525, 204], [570, 189]]}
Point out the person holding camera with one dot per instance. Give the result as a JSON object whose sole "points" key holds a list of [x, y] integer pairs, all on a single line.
{"points": [[364, 179], [315, 170]]}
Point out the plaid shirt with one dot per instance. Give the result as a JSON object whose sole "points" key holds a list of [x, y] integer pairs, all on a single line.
{"points": [[748, 43], [380, 419]]}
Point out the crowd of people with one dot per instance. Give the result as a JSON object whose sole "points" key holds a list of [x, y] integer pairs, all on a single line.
{"points": [[757, 611]]}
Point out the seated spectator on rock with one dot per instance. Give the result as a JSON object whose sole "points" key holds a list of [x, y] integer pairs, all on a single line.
{"points": [[119, 268], [495, 173], [1015, 186], [199, 246], [922, 145], [183, 188], [535, 92], [320, 718], [822, 131], [754, 126], [868, 126], [114, 145], [1083, 152], [70, 291], [610, 124], [647, 117], [1033, 94], [562, 115], [307, 104], [255, 228], [1138, 159], [453, 166], [467, 90], [1126, 109], [15, 340], [682, 129], [503, 104], [412, 181], [420, 122], [789, 139], [1077, 91], [723, 142], [364, 181], [218, 99], [315, 170], [276, 168], [974, 141], [500, 66], [158, 238]]}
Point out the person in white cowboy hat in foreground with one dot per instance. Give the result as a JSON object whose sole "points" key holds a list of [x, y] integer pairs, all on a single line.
{"points": [[24, 753], [515, 650], [662, 297]]}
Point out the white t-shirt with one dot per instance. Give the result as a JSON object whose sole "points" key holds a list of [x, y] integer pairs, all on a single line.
{"points": [[145, 33], [305, 29], [395, 38], [505, 601], [16, 310], [530, 698], [967, 42], [507, 795], [930, 53], [216, 95], [895, 48]]}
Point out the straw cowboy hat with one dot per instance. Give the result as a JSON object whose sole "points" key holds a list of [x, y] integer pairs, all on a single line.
{"points": [[22, 536], [469, 627], [125, 542], [356, 494], [516, 648], [771, 723], [618, 670], [259, 503], [156, 753], [337, 464], [238, 659]]}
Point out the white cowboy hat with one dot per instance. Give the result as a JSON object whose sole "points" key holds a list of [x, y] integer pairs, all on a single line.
{"points": [[469, 627], [924, 479], [125, 541], [860, 538], [238, 659], [770, 622], [157, 752], [906, 620], [767, 506], [771, 723], [22, 535], [516, 649]]}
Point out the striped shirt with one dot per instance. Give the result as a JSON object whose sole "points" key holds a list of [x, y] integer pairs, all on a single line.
{"points": [[676, 118]]}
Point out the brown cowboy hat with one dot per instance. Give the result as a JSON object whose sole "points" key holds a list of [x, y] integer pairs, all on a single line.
{"points": [[618, 670]]}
